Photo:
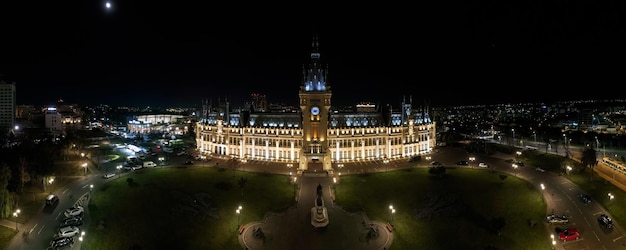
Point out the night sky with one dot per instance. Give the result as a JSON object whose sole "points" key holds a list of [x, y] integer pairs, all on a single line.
{"points": [[161, 53]]}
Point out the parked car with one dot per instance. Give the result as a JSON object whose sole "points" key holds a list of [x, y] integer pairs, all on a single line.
{"points": [[605, 221], [540, 169], [72, 221], [557, 219], [483, 165], [585, 198], [108, 175], [61, 242], [189, 163], [52, 200], [462, 163], [74, 211], [569, 234], [69, 231]]}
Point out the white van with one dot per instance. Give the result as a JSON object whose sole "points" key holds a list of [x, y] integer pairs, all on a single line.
{"points": [[149, 164]]}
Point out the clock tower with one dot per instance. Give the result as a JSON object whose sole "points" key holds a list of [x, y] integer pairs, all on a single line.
{"points": [[315, 97]]}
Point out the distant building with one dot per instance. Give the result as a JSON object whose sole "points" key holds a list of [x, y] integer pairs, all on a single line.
{"points": [[316, 135], [54, 121], [7, 105], [259, 102]]}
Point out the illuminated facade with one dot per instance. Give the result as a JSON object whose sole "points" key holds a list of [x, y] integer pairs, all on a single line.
{"points": [[316, 136]]}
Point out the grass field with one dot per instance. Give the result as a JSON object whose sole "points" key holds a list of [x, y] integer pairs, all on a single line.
{"points": [[181, 208], [157, 210], [456, 211]]}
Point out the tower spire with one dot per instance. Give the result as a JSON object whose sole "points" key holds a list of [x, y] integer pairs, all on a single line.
{"points": [[315, 75], [315, 48]]}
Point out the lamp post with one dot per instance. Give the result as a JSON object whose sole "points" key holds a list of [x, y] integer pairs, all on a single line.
{"points": [[391, 212], [386, 162], [472, 159], [295, 178], [50, 181], [238, 211], [82, 236], [85, 166], [90, 188], [515, 169], [15, 214], [119, 170], [513, 131]]}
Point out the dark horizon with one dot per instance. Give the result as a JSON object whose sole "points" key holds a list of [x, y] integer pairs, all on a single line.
{"points": [[157, 54]]}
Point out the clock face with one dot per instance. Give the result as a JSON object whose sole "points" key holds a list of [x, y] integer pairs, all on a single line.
{"points": [[315, 111]]}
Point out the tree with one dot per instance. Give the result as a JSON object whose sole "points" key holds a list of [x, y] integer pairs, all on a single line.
{"points": [[6, 198], [242, 182], [589, 159], [24, 177], [503, 177], [438, 171]]}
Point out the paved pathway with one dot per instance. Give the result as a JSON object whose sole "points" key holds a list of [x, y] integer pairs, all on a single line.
{"points": [[292, 229]]}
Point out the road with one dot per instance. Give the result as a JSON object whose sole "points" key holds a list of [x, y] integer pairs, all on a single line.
{"points": [[561, 196]]}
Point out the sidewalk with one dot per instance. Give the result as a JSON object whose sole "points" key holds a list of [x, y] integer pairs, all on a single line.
{"points": [[11, 224]]}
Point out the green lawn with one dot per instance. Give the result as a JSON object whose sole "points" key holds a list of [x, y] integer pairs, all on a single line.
{"points": [[6, 234], [456, 211], [157, 210]]}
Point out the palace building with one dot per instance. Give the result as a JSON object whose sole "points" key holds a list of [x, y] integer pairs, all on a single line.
{"points": [[317, 136]]}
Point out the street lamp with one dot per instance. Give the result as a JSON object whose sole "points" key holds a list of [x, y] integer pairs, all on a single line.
{"points": [[385, 161], [50, 181], [90, 188], [543, 187], [295, 178], [391, 212], [82, 236], [85, 166], [15, 214], [513, 131], [515, 169], [238, 211], [472, 159], [568, 168], [611, 196], [161, 159]]}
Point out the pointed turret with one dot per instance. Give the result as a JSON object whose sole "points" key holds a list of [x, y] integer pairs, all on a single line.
{"points": [[314, 76]]}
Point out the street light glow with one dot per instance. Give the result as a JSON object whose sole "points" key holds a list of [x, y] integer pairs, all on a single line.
{"points": [[238, 211], [15, 214]]}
